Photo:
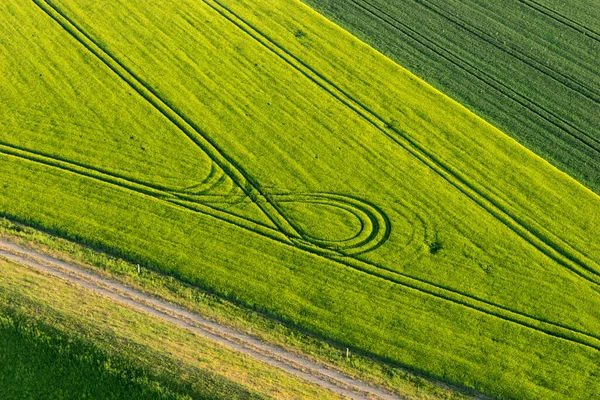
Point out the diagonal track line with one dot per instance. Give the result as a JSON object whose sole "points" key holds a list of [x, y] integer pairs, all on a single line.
{"points": [[539, 237], [193, 132], [547, 115], [562, 19], [557, 75]]}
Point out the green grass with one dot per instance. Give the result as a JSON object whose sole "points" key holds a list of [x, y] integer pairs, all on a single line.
{"points": [[39, 363], [529, 67], [225, 312], [61, 341], [479, 265]]}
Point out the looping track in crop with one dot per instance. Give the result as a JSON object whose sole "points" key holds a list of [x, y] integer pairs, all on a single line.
{"points": [[546, 242], [374, 224], [419, 285], [373, 220], [285, 233]]}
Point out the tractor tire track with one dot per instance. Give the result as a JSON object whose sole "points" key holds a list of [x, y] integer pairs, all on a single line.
{"points": [[452, 177], [275, 356], [375, 225], [550, 13], [546, 242], [148, 185], [168, 197], [176, 117], [417, 284]]}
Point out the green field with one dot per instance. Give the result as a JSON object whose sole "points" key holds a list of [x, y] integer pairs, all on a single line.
{"points": [[260, 152], [53, 347], [529, 67]]}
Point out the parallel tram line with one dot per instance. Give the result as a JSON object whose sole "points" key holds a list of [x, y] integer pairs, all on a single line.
{"points": [[139, 188], [565, 126], [562, 19], [189, 128], [548, 245], [558, 76], [419, 285]]}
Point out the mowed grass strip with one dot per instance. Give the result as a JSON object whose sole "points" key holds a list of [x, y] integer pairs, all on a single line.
{"points": [[65, 341], [293, 136], [529, 67]]}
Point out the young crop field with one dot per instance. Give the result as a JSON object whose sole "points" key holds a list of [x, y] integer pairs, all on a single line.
{"points": [[258, 151], [529, 67]]}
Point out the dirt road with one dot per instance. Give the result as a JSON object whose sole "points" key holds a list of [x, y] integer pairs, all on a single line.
{"points": [[270, 354]]}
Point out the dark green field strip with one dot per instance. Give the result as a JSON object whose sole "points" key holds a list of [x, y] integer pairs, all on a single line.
{"points": [[572, 145], [513, 49], [562, 18], [548, 243], [573, 130], [462, 184], [429, 288]]}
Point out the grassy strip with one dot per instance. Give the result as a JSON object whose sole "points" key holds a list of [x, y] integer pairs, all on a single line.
{"points": [[39, 362], [60, 341], [228, 313]]}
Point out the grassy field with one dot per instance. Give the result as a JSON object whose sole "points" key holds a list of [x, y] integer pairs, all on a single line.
{"points": [[56, 343], [317, 182], [529, 67]]}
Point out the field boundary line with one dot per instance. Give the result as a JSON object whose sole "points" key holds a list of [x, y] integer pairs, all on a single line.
{"points": [[387, 274], [275, 356], [477, 73], [546, 242]]}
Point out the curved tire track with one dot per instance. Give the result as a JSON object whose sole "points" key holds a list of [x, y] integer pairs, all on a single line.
{"points": [[543, 240], [283, 236]]}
